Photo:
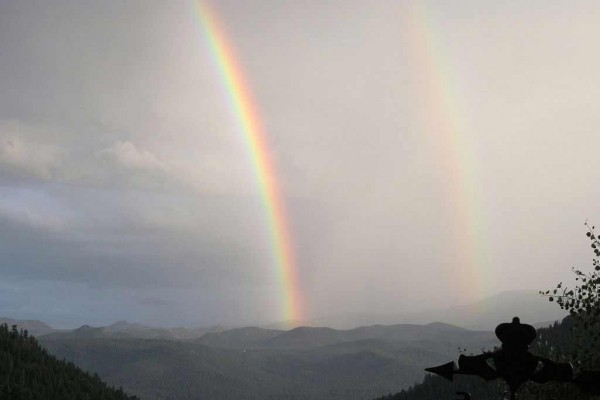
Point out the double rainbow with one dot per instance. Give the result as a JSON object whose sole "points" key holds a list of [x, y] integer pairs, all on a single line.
{"points": [[446, 122], [251, 129]]}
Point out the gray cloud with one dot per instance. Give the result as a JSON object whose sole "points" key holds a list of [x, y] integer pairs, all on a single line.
{"points": [[109, 242], [123, 169], [154, 302]]}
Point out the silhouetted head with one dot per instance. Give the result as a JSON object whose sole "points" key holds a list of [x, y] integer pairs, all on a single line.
{"points": [[515, 334]]}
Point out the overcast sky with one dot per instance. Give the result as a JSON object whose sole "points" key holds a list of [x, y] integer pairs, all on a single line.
{"points": [[429, 153]]}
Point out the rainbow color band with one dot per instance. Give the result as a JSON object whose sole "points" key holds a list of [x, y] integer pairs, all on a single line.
{"points": [[246, 113]]}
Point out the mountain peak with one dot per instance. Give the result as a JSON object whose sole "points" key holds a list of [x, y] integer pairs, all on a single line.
{"points": [[444, 326]]}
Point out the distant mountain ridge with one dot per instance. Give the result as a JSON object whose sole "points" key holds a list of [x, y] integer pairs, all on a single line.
{"points": [[118, 330], [487, 313], [307, 363], [484, 314], [435, 336], [34, 327]]}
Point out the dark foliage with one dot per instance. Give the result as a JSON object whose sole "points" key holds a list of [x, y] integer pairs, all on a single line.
{"points": [[437, 388], [556, 343], [583, 303], [28, 372]]}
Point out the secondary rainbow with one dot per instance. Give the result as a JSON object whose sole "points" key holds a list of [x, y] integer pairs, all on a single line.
{"points": [[445, 116], [247, 116]]}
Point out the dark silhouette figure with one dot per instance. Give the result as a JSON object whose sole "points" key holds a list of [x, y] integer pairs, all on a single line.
{"points": [[516, 365]]}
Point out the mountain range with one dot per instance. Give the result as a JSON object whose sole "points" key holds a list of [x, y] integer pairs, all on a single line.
{"points": [[307, 362], [34, 327], [256, 363], [127, 330], [483, 314]]}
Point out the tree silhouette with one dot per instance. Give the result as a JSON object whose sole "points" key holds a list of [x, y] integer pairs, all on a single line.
{"points": [[28, 372], [583, 304]]}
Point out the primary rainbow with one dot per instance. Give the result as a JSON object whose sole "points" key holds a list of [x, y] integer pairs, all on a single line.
{"points": [[445, 116], [250, 127]]}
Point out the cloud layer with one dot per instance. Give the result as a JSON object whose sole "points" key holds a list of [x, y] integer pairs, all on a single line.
{"points": [[127, 192]]}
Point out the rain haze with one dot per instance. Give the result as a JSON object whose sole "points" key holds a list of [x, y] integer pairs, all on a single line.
{"points": [[428, 153]]}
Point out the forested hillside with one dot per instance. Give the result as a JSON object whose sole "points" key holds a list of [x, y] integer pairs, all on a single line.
{"points": [[437, 388], [28, 372]]}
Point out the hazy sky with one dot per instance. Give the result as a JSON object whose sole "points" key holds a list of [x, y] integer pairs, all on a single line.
{"points": [[429, 153]]}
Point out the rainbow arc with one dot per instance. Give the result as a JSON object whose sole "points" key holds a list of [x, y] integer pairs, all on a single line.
{"points": [[246, 114]]}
